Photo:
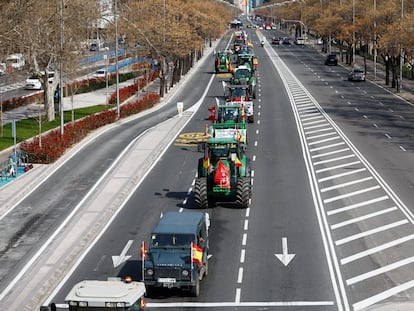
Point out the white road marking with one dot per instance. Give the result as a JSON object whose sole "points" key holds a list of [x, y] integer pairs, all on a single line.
{"points": [[329, 153], [336, 167], [341, 175], [314, 122], [322, 135], [318, 131], [323, 141], [376, 249], [242, 255], [379, 271], [351, 194], [370, 232], [237, 303], [247, 212], [382, 296], [357, 205], [334, 159], [350, 183], [240, 275], [244, 239], [313, 117], [362, 218], [327, 147], [315, 126], [246, 224], [236, 299]]}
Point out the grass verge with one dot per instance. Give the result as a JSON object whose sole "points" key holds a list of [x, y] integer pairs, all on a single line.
{"points": [[28, 128]]}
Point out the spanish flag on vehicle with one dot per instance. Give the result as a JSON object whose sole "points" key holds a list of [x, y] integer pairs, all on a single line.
{"points": [[206, 163], [196, 254], [237, 162]]}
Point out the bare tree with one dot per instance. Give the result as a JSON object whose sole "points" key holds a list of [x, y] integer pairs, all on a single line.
{"points": [[33, 27]]}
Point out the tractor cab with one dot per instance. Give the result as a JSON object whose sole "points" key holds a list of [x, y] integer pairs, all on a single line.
{"points": [[239, 93]]}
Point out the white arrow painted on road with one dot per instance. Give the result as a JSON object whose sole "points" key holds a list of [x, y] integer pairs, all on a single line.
{"points": [[117, 260], [285, 257]]}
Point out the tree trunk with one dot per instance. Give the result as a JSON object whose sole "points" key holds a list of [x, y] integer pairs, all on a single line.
{"points": [[365, 62], [387, 69], [394, 64], [49, 103], [163, 69]]}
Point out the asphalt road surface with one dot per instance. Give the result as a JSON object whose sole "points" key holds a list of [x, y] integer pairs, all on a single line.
{"points": [[332, 168]]}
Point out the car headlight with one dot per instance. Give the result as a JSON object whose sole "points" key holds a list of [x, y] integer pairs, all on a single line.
{"points": [[185, 272], [150, 272]]}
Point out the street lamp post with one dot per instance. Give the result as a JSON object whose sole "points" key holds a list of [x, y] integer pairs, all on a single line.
{"points": [[107, 74], [375, 40], [62, 119], [401, 47], [118, 108], [353, 33]]}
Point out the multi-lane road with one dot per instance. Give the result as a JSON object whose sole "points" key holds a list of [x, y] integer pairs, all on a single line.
{"points": [[332, 164]]}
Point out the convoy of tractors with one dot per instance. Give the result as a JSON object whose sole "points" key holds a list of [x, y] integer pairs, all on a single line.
{"points": [[224, 171], [177, 253]]}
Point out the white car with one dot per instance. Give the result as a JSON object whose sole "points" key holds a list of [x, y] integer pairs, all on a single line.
{"points": [[33, 82], [300, 41], [101, 73]]}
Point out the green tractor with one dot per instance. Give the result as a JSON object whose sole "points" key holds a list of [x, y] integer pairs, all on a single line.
{"points": [[232, 114], [223, 173], [243, 75], [222, 63]]}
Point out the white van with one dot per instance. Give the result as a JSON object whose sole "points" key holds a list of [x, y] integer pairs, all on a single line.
{"points": [[15, 61]]}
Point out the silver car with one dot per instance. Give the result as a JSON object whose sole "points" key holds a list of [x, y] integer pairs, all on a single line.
{"points": [[356, 74]]}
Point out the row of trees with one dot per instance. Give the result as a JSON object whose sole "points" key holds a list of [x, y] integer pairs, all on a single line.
{"points": [[51, 34], [174, 31], [385, 26]]}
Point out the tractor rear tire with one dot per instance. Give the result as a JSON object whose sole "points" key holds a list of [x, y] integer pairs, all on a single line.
{"points": [[200, 193], [243, 192]]}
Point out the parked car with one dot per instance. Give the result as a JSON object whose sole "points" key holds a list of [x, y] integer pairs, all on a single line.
{"points": [[275, 40], [33, 82], [101, 73], [300, 41], [286, 40], [331, 59], [356, 74]]}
